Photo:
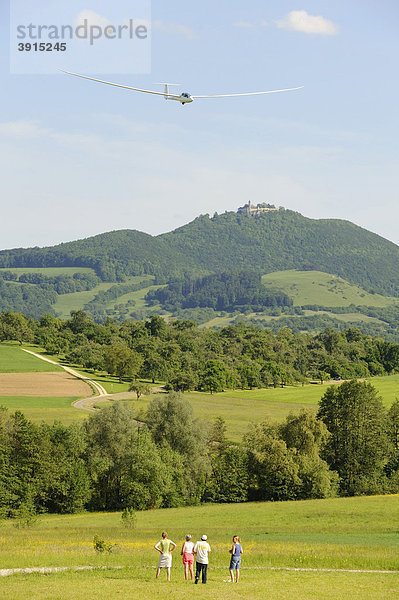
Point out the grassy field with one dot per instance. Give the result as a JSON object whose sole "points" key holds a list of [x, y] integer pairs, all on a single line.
{"points": [[76, 301], [315, 287], [338, 534], [240, 408], [40, 409], [15, 360], [137, 297]]}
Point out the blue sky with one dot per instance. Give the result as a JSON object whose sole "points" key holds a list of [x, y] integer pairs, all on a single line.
{"points": [[78, 158]]}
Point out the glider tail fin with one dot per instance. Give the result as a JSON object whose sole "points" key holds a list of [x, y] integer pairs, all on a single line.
{"points": [[166, 89]]}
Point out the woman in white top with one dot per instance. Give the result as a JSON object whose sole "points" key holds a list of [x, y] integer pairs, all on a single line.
{"points": [[187, 552]]}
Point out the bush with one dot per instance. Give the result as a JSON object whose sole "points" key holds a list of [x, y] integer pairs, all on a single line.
{"points": [[129, 517], [101, 545]]}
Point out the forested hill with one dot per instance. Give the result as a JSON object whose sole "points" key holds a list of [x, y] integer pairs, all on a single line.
{"points": [[273, 241]]}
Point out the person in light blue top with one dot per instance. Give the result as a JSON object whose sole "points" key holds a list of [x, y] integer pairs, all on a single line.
{"points": [[235, 561]]}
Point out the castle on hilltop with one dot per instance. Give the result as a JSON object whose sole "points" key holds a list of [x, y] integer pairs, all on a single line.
{"points": [[253, 211]]}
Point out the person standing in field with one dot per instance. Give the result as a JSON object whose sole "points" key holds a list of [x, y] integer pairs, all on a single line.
{"points": [[187, 553], [165, 547], [235, 561], [201, 551]]}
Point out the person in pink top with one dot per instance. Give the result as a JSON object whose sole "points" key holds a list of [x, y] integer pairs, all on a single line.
{"points": [[187, 552]]}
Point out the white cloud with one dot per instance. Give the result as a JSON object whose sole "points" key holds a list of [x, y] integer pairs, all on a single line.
{"points": [[300, 20], [175, 29], [92, 18]]}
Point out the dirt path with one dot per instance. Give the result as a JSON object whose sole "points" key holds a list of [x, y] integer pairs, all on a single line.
{"points": [[45, 570], [102, 393]]}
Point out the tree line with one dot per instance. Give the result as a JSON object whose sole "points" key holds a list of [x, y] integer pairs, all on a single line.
{"points": [[185, 357], [114, 462]]}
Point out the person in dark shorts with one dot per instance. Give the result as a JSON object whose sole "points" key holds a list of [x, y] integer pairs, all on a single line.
{"points": [[235, 561], [201, 551]]}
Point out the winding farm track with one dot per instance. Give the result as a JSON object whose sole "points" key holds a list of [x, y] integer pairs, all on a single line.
{"points": [[101, 392]]}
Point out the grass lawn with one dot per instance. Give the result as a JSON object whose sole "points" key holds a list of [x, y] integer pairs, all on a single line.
{"points": [[241, 407], [15, 360], [134, 584], [353, 533]]}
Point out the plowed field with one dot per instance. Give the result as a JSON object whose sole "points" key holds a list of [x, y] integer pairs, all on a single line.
{"points": [[55, 384]]}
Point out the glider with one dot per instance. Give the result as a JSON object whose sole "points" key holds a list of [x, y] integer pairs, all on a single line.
{"points": [[184, 97]]}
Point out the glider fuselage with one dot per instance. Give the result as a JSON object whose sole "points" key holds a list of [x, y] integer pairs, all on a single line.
{"points": [[184, 98]]}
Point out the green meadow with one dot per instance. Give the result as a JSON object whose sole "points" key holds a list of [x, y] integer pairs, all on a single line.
{"points": [[316, 287], [240, 408], [77, 300], [15, 360], [341, 535], [67, 302], [137, 297], [40, 409]]}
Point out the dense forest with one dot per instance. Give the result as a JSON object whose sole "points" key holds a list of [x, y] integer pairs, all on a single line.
{"points": [[273, 241], [241, 290], [114, 462]]}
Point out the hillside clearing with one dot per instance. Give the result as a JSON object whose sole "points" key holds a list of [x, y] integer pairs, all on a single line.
{"points": [[324, 289]]}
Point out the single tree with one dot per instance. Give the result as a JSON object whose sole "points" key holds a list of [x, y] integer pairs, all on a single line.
{"points": [[358, 447], [140, 388]]}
